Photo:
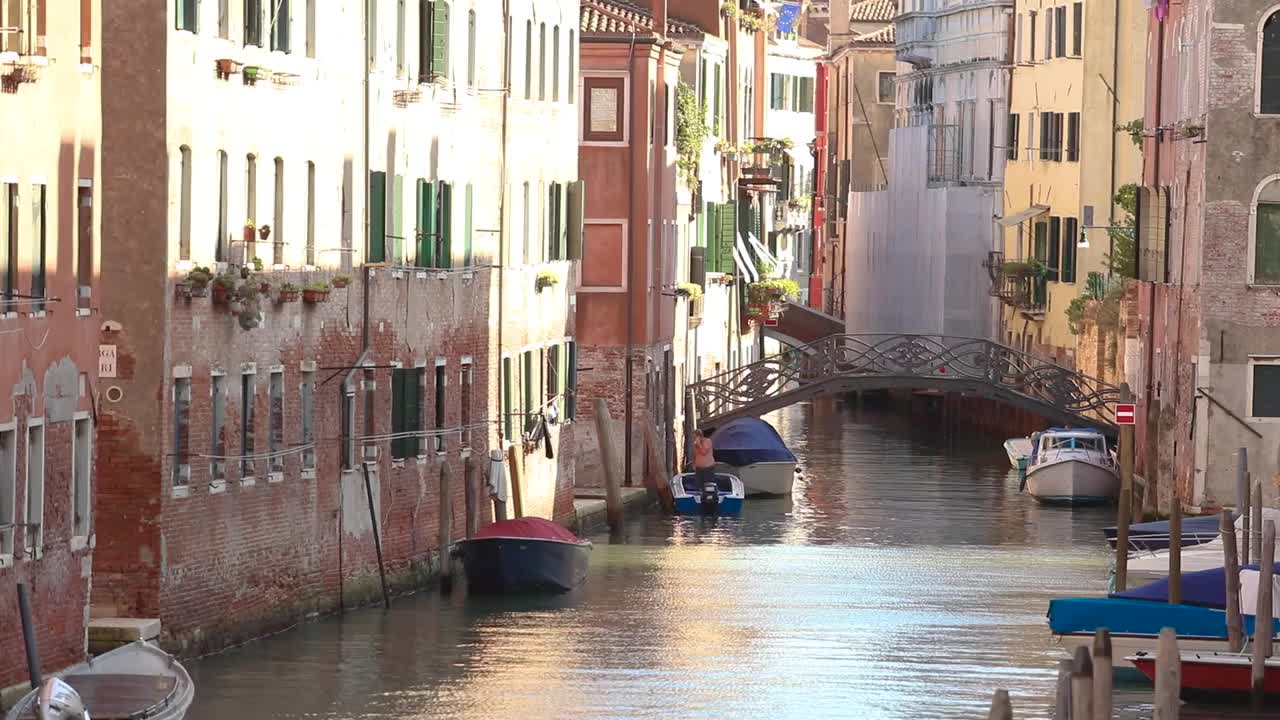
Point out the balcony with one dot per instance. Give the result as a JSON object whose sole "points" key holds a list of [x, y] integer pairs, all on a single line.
{"points": [[929, 32], [1021, 285]]}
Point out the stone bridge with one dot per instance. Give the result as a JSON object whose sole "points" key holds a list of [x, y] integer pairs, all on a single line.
{"points": [[847, 363]]}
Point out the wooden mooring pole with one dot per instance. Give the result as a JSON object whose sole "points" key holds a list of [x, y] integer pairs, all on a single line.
{"points": [[1062, 706], [1255, 524], [1082, 685], [516, 478], [612, 468], [1001, 709], [1231, 564], [377, 538], [1175, 548], [1103, 678], [1168, 677], [1242, 501], [1125, 506], [446, 527], [1263, 629]]}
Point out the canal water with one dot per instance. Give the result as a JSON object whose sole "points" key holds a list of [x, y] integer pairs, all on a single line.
{"points": [[906, 578]]}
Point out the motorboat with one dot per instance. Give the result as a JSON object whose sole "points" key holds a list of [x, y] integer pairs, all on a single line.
{"points": [[752, 450], [1154, 536], [723, 496], [1019, 451], [528, 554], [1072, 467], [138, 681], [1150, 565], [1215, 675], [1135, 617]]}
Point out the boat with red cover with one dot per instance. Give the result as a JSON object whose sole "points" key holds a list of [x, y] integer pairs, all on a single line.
{"points": [[528, 554], [1221, 676]]}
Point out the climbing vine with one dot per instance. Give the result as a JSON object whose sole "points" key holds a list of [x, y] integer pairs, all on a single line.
{"points": [[691, 132]]}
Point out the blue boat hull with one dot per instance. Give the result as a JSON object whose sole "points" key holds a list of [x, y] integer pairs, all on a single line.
{"points": [[691, 506], [1145, 618], [512, 565]]}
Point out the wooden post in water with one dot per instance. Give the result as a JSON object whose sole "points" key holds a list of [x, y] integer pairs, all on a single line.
{"points": [[1255, 524], [1168, 677], [515, 477], [1175, 547], [609, 459], [659, 473], [1103, 675], [473, 495], [1242, 501], [1000, 707], [1062, 707], [1231, 564], [377, 539], [1262, 630], [446, 527], [1082, 685], [1125, 506]]}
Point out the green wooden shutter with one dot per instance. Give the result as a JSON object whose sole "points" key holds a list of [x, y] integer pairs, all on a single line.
{"points": [[440, 39], [527, 385], [446, 226], [424, 208], [397, 219], [412, 387], [777, 91], [377, 250], [562, 378], [574, 205], [397, 413], [562, 220], [728, 222], [507, 398], [715, 94], [713, 237], [468, 230], [571, 408], [548, 243]]}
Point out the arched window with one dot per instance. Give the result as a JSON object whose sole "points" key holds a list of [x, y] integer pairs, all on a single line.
{"points": [[1265, 251], [1269, 59]]}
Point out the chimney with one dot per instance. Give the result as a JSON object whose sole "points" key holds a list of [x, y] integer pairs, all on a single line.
{"points": [[659, 16], [839, 22]]}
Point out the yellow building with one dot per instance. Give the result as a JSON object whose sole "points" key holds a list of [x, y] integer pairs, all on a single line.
{"points": [[1078, 74]]}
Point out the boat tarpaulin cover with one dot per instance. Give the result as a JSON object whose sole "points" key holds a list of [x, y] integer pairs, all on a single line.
{"points": [[1141, 617], [1203, 525], [745, 441], [1203, 588], [534, 528]]}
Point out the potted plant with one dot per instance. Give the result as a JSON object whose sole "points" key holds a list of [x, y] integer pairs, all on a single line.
{"points": [[726, 280], [264, 232], [257, 264], [182, 289], [691, 291], [289, 293], [226, 66], [253, 73], [198, 279], [340, 280], [264, 287], [314, 292], [545, 279], [249, 231], [223, 284]]}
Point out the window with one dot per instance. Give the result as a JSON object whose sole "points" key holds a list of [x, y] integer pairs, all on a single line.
{"points": [[247, 392], [348, 402], [81, 468], [552, 374], [275, 421], [441, 379], [439, 40], [1264, 381], [1266, 235], [8, 489], [406, 412], [181, 434], [253, 22], [400, 33], [717, 104], [1077, 28], [371, 33], [1048, 34], [529, 388], [571, 380], [40, 244], [33, 516], [528, 59], [1060, 30], [307, 398], [1073, 137], [1054, 262], [1012, 142], [9, 210], [471, 48], [424, 41], [220, 245], [311, 213], [1018, 37], [187, 17], [1269, 78], [467, 227], [277, 232], [542, 61], [280, 22], [527, 206], [1051, 136], [1070, 236], [552, 246], [15, 14], [1031, 35], [555, 64], [251, 201], [84, 236], [184, 203], [224, 19], [573, 69], [310, 20], [884, 87], [218, 425], [508, 394], [436, 248], [603, 110], [777, 91], [465, 378], [377, 248]]}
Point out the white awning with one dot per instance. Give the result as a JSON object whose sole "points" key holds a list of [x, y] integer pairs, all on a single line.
{"points": [[1023, 215], [744, 260], [761, 251]]}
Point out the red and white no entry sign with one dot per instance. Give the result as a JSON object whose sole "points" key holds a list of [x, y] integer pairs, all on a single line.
{"points": [[1126, 414]]}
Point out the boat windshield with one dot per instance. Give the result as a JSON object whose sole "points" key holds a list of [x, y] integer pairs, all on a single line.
{"points": [[1071, 442]]}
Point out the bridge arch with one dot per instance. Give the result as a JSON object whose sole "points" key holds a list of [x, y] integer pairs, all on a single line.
{"points": [[846, 363]]}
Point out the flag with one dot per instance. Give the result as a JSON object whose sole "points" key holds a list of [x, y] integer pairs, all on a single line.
{"points": [[788, 16]]}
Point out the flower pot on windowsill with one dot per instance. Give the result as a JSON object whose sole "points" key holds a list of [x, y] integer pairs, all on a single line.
{"points": [[253, 73], [289, 293], [249, 232], [340, 281], [226, 67], [545, 279]]}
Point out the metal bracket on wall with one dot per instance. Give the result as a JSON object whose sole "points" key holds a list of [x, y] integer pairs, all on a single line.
{"points": [[1227, 410]]}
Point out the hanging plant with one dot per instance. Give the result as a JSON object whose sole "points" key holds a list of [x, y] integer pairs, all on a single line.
{"points": [[315, 292], [249, 231], [197, 280], [774, 290], [223, 285], [340, 280], [546, 279], [691, 291], [691, 132], [289, 293]]}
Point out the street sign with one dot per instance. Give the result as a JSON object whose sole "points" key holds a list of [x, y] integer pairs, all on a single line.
{"points": [[771, 322], [1126, 414]]}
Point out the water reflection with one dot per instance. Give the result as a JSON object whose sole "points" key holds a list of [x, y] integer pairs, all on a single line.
{"points": [[907, 578]]}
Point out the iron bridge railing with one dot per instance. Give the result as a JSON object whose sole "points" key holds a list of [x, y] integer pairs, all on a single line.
{"points": [[904, 361]]}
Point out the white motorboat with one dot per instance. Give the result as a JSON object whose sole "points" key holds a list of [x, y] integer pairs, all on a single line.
{"points": [[753, 451], [137, 681], [763, 478], [1072, 467], [1019, 451], [1148, 566]]}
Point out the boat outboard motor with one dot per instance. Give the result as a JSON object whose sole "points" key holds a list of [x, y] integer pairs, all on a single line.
{"points": [[710, 497], [59, 701]]}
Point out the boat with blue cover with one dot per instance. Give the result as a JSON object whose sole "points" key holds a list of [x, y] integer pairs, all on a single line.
{"points": [[723, 496], [1135, 617], [527, 554], [752, 450], [1155, 535]]}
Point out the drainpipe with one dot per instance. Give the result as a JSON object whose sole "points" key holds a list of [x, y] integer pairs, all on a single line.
{"points": [[655, 301], [364, 63], [637, 210], [1153, 420], [501, 261], [1115, 112]]}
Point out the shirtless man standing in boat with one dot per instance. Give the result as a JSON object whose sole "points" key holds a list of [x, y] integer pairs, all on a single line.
{"points": [[704, 461]]}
